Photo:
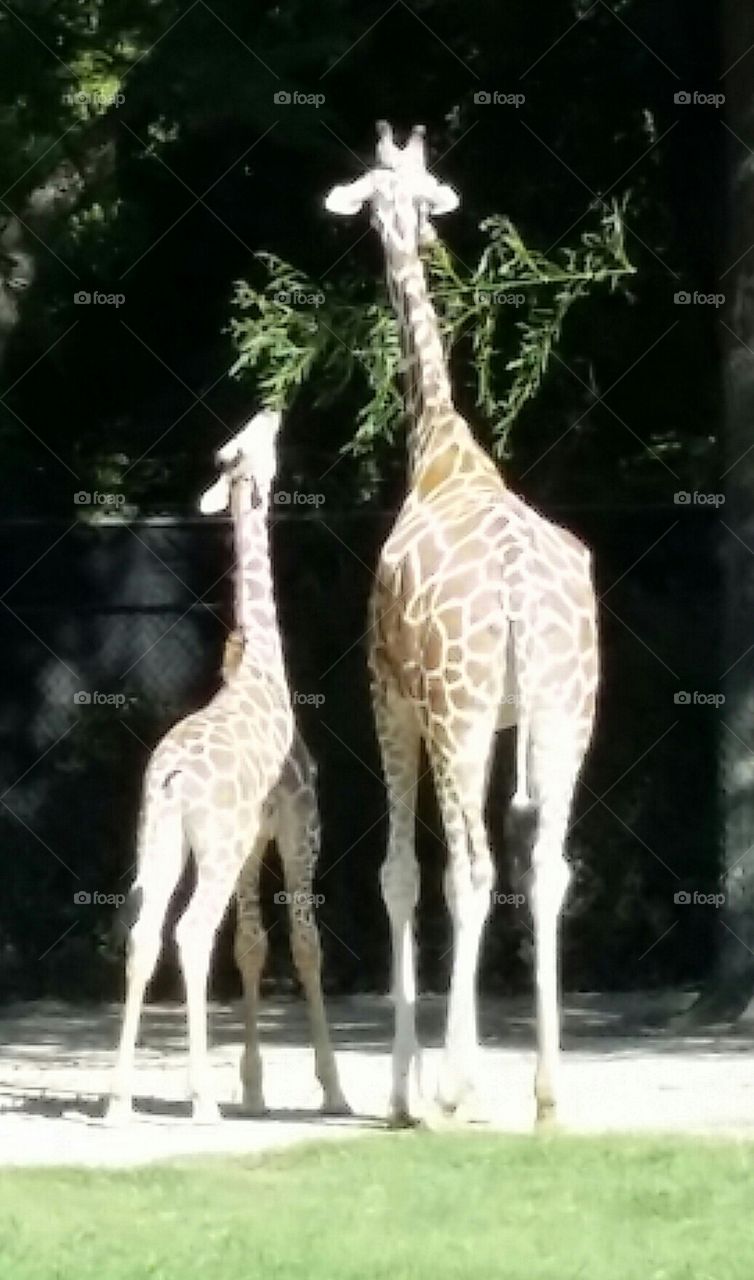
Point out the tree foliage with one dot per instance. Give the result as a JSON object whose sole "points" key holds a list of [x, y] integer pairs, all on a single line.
{"points": [[145, 151], [291, 329]]}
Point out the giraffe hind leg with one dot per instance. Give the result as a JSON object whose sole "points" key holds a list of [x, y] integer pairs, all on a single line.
{"points": [[398, 732], [460, 781], [298, 845], [556, 759], [161, 857]]}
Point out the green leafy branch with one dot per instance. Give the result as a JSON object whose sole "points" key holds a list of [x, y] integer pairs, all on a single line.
{"points": [[290, 332]]}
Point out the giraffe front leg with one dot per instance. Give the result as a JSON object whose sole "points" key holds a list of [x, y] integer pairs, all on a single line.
{"points": [[144, 949], [398, 734], [161, 857], [250, 951], [298, 839], [306, 949]]}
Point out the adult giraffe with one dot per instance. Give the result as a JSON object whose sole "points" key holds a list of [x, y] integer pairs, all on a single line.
{"points": [[482, 616]]}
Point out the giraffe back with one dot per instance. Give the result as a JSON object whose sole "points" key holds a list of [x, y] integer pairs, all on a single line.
{"points": [[479, 598]]}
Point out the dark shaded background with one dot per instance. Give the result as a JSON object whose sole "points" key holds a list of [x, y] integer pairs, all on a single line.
{"points": [[153, 595], [136, 398]]}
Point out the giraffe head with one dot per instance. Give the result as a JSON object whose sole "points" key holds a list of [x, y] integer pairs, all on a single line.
{"points": [[401, 193], [248, 463]]}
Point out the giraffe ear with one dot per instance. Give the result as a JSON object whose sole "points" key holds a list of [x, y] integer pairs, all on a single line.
{"points": [[351, 197], [215, 499], [244, 441], [443, 199]]}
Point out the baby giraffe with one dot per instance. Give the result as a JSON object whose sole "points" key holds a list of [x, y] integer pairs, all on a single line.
{"points": [[208, 779], [290, 818]]}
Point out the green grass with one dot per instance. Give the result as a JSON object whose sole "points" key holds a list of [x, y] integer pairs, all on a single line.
{"points": [[395, 1206]]}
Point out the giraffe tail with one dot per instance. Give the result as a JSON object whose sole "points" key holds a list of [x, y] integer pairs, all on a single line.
{"points": [[522, 817]]}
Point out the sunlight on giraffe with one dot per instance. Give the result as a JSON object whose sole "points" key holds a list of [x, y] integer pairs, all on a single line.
{"points": [[207, 789], [482, 616]]}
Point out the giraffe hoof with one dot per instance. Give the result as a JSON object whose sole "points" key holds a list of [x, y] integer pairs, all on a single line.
{"points": [[547, 1119], [205, 1111], [469, 1110], [336, 1107], [254, 1105], [401, 1118], [119, 1112], [461, 1106]]}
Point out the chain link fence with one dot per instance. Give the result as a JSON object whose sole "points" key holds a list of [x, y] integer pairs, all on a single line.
{"points": [[111, 631]]}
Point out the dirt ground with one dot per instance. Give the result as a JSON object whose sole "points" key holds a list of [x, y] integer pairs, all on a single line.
{"points": [[621, 1072]]}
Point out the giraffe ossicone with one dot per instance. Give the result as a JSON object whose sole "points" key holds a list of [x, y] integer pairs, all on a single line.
{"points": [[401, 173], [482, 617], [207, 785]]}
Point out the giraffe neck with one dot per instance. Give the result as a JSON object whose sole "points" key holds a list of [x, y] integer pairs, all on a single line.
{"points": [[254, 605], [427, 386]]}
